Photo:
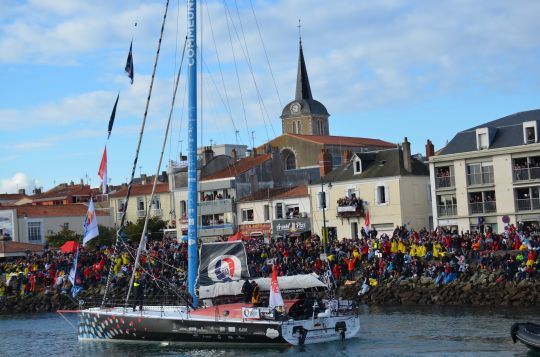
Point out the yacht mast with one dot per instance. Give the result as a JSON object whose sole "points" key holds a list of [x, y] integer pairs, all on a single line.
{"points": [[192, 147]]}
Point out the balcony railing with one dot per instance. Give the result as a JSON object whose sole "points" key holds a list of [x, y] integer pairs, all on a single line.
{"points": [[445, 181], [483, 178], [446, 210], [528, 173], [219, 201], [483, 207], [528, 204], [119, 215], [141, 213], [156, 211]]}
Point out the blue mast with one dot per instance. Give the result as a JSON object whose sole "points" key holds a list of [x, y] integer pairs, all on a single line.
{"points": [[192, 147]]}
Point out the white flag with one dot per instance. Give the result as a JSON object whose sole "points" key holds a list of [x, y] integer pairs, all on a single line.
{"points": [[73, 270], [90, 224], [275, 295]]}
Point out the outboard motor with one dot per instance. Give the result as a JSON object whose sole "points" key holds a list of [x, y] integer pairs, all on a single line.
{"points": [[341, 327]]}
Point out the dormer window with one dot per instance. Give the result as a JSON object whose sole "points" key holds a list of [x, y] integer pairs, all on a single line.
{"points": [[484, 137], [482, 141], [530, 132], [357, 166]]}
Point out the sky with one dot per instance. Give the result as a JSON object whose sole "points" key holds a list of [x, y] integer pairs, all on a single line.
{"points": [[384, 69]]}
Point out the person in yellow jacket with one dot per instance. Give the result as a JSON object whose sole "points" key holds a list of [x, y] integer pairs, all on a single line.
{"points": [[394, 246], [412, 252], [421, 251], [437, 251], [401, 247]]}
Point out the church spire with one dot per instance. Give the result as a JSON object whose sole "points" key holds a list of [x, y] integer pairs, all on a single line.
{"points": [[303, 90]]}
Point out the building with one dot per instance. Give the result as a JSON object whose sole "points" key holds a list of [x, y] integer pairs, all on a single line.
{"points": [[489, 175], [391, 184], [15, 199], [161, 205], [306, 132], [32, 224], [277, 212], [63, 194]]}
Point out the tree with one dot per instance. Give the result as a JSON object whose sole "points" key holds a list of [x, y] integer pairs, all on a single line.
{"points": [[62, 236], [154, 229]]}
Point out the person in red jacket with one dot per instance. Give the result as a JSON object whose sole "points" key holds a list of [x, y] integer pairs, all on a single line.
{"points": [[337, 272], [350, 267]]}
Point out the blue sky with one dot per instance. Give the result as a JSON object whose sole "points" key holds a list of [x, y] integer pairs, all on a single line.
{"points": [[385, 69]]}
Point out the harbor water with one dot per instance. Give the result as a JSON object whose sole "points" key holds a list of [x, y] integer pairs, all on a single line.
{"points": [[385, 331]]}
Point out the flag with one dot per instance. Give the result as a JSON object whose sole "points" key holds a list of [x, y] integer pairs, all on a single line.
{"points": [[102, 172], [75, 287], [90, 224], [129, 63], [275, 295], [367, 222], [113, 114], [222, 262]]}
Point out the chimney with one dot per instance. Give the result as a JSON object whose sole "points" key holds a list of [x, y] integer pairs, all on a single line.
{"points": [[22, 191], [164, 177], [430, 150], [325, 162], [208, 154], [37, 190], [346, 156], [82, 182], [234, 155], [254, 152], [407, 161], [143, 179]]}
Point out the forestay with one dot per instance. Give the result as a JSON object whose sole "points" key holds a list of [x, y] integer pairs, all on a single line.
{"points": [[286, 283]]}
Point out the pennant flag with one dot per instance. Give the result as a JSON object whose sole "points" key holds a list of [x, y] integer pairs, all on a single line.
{"points": [[367, 222], [75, 282], [113, 114], [129, 63], [102, 172], [275, 295], [90, 224]]}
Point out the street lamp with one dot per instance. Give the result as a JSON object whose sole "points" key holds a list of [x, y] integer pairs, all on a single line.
{"points": [[322, 204]]}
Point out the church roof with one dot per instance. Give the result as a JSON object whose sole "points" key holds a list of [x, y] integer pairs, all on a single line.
{"points": [[303, 94], [343, 140]]}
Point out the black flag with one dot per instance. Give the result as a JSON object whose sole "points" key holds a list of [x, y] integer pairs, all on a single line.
{"points": [[129, 63], [222, 262], [113, 114]]}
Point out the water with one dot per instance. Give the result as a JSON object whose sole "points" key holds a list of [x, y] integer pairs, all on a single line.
{"points": [[386, 331]]}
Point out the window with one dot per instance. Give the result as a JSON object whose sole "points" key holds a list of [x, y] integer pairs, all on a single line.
{"points": [[266, 212], [65, 226], [381, 195], [279, 211], [183, 209], [299, 127], [530, 135], [121, 205], [140, 204], [294, 130], [247, 215], [293, 211], [34, 232], [357, 166], [156, 203], [482, 141]]}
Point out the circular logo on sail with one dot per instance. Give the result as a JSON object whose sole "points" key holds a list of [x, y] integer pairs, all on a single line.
{"points": [[225, 268]]}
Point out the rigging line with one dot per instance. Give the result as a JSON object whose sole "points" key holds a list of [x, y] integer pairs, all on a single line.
{"points": [[158, 168], [236, 71], [245, 51], [266, 53], [174, 70], [227, 104], [128, 194], [178, 146]]}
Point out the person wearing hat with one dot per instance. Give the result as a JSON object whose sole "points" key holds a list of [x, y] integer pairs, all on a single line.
{"points": [[247, 290]]}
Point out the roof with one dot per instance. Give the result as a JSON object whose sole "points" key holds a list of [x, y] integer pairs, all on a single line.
{"points": [[344, 140], [384, 163], [303, 94], [239, 167], [62, 191], [139, 190], [508, 132], [276, 193], [8, 248], [71, 210]]}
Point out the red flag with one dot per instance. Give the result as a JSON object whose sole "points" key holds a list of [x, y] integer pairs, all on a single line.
{"points": [[102, 172], [275, 295], [367, 222]]}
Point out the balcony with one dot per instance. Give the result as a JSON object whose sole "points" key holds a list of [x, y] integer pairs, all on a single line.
{"points": [[445, 181], [528, 204], [485, 178], [119, 215], [526, 174], [141, 213], [156, 212], [350, 207], [483, 207], [216, 206], [446, 210]]}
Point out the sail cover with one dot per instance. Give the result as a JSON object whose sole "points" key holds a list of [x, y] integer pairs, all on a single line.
{"points": [[286, 283], [222, 262]]}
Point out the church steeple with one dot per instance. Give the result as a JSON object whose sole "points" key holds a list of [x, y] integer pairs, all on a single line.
{"points": [[303, 90], [304, 115]]}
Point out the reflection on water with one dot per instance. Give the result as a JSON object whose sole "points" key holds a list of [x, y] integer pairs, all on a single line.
{"points": [[385, 331]]}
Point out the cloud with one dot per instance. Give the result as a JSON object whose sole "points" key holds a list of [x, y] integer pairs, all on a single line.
{"points": [[17, 182]]}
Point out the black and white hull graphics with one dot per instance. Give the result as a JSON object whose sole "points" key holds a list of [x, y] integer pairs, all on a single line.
{"points": [[322, 329]]}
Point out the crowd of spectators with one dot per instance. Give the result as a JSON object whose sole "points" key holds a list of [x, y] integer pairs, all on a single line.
{"points": [[376, 258]]}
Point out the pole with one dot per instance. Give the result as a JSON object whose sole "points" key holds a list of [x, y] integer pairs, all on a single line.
{"points": [[325, 233], [192, 148]]}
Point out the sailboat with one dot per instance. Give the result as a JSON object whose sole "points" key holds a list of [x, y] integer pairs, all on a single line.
{"points": [[221, 273]]}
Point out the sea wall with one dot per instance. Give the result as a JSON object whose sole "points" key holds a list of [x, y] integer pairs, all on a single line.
{"points": [[480, 290]]}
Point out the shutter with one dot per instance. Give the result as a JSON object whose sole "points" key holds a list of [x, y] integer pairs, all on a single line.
{"points": [[377, 196], [386, 194]]}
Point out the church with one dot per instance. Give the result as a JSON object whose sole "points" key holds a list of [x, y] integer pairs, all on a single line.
{"points": [[306, 143]]}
